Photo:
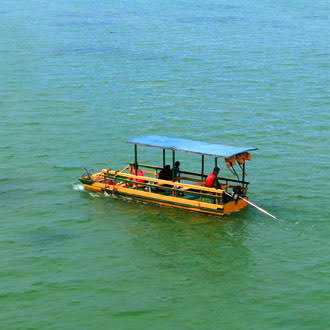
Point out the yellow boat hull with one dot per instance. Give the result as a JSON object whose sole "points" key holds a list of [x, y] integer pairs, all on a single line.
{"points": [[170, 201]]}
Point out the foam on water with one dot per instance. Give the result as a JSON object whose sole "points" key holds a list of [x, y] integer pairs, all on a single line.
{"points": [[95, 195], [78, 187]]}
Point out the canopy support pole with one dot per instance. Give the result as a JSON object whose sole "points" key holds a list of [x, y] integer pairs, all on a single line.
{"points": [[173, 162], [164, 158], [234, 172], [202, 174], [135, 156], [243, 173], [216, 177]]}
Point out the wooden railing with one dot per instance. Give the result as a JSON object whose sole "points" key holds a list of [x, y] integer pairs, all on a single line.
{"points": [[204, 176], [157, 185]]}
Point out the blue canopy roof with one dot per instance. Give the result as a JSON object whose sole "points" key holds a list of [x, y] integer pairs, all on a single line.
{"points": [[196, 147]]}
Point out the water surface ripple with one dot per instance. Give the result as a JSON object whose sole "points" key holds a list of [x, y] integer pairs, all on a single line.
{"points": [[80, 78]]}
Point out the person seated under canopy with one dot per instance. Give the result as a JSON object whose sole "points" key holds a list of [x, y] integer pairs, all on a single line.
{"points": [[165, 173], [176, 169], [137, 172], [211, 180]]}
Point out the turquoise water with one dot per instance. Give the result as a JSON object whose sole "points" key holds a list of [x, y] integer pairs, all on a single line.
{"points": [[78, 79]]}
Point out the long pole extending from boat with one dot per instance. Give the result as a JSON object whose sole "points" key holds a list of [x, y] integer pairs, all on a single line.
{"points": [[254, 205]]}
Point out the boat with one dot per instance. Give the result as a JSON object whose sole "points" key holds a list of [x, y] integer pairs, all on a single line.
{"points": [[184, 190]]}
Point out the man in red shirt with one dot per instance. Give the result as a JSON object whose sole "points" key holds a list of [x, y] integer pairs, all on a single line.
{"points": [[211, 180]]}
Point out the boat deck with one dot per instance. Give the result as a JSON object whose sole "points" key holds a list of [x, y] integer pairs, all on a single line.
{"points": [[187, 191]]}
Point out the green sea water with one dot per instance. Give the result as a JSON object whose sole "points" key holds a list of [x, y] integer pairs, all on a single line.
{"points": [[80, 78]]}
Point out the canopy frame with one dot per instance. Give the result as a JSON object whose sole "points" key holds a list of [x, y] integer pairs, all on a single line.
{"points": [[198, 147], [191, 146]]}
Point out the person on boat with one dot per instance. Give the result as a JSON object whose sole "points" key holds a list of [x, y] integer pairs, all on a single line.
{"points": [[137, 172], [176, 169], [211, 180], [165, 173]]}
